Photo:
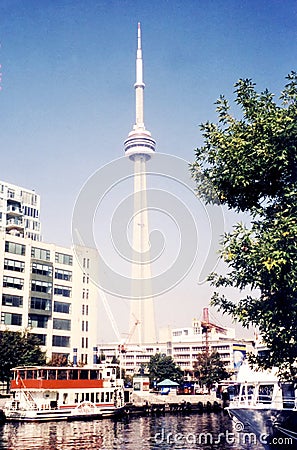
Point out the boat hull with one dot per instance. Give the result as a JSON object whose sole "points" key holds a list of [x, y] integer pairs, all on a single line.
{"points": [[60, 415], [266, 423]]}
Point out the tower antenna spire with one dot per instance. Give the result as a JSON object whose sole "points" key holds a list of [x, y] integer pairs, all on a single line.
{"points": [[139, 140], [139, 84]]}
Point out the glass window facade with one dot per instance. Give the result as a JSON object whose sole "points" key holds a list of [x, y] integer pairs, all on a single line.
{"points": [[11, 319], [61, 341], [12, 300], [62, 324], [12, 247], [63, 258]]}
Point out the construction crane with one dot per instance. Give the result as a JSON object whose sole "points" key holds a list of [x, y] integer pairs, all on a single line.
{"points": [[123, 346], [207, 326]]}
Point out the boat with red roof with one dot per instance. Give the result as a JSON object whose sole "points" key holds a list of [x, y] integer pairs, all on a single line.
{"points": [[44, 393]]}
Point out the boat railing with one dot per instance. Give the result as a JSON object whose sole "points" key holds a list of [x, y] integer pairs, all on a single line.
{"points": [[30, 402], [262, 400]]}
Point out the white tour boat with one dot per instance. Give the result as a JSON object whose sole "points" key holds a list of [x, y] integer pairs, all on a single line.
{"points": [[65, 393], [265, 406]]}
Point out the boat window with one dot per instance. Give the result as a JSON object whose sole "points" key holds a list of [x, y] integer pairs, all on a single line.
{"points": [[29, 374], [288, 393], [87, 396], [73, 374], [83, 374], [22, 374], [65, 396], [62, 374], [52, 374], [76, 397], [97, 397], [102, 397], [247, 392], [82, 397], [107, 397], [92, 397], [265, 393], [93, 374]]}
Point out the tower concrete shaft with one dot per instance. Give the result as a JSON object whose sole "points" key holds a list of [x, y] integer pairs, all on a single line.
{"points": [[142, 306], [139, 147]]}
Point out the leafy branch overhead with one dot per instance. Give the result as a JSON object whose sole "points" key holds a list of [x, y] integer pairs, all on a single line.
{"points": [[250, 165]]}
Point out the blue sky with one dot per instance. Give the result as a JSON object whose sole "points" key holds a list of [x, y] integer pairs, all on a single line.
{"points": [[67, 98]]}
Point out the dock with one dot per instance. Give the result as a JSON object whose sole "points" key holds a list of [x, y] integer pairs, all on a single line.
{"points": [[146, 403]]}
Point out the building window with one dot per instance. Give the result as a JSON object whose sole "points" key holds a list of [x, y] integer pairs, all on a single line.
{"points": [[16, 266], [11, 319], [62, 258], [82, 342], [12, 247], [41, 338], [87, 325], [87, 310], [83, 310], [65, 291], [63, 274], [62, 324], [37, 321], [40, 253], [62, 307], [42, 269], [61, 341], [87, 342], [41, 286], [11, 282], [40, 303], [83, 326], [12, 300]]}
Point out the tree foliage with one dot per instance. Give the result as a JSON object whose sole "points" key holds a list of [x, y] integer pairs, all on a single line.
{"points": [[210, 369], [161, 367], [250, 165], [18, 349]]}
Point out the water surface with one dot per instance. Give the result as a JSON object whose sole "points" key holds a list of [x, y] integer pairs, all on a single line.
{"points": [[195, 431]]}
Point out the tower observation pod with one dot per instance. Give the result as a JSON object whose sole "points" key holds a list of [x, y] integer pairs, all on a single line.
{"points": [[139, 147]]}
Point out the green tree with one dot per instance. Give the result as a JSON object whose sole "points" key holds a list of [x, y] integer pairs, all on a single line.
{"points": [[161, 367], [250, 165], [210, 369], [18, 349]]}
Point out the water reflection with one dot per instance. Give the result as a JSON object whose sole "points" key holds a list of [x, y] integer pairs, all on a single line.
{"points": [[207, 431]]}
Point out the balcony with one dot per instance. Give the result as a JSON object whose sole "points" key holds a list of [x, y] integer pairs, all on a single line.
{"points": [[14, 223], [14, 210]]}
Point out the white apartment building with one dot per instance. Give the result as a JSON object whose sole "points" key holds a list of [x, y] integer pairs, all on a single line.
{"points": [[19, 211], [47, 289]]}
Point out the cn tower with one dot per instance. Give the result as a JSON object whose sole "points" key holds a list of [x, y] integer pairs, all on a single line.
{"points": [[139, 147]]}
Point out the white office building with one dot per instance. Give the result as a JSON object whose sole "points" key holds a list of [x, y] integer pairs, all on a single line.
{"points": [[45, 288]]}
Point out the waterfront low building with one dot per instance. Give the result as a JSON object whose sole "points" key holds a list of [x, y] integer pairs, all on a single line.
{"points": [[183, 345]]}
